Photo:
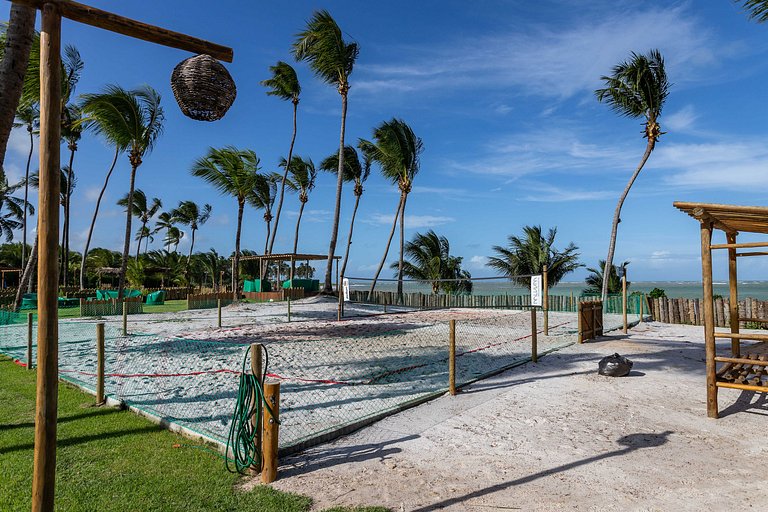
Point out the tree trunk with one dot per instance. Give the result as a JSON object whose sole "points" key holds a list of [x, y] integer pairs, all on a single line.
{"points": [[389, 242], [285, 176], [127, 243], [65, 229], [349, 238], [617, 219], [19, 38], [26, 197], [236, 263], [189, 260], [402, 245], [141, 237], [26, 277], [296, 240], [93, 221], [327, 287]]}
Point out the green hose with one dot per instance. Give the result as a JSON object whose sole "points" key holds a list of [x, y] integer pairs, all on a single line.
{"points": [[241, 442]]}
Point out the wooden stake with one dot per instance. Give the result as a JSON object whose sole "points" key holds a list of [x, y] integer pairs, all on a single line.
{"points": [[219, 310], [534, 338], [258, 372], [545, 303], [100, 363], [452, 357], [44, 473], [709, 318], [29, 341], [125, 317], [624, 298], [289, 306], [642, 305], [269, 442], [733, 304]]}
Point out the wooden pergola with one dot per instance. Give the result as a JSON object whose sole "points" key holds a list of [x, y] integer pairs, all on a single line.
{"points": [[9, 270], [742, 369], [290, 257]]}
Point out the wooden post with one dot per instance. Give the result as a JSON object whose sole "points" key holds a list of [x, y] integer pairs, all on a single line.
{"points": [[125, 317], [289, 305], [218, 305], [545, 303], [534, 338], [733, 304], [269, 441], [642, 306], [624, 298], [709, 318], [580, 322], [100, 363], [452, 357], [29, 340], [44, 473], [258, 372]]}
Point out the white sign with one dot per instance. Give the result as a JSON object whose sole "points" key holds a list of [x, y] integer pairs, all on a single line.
{"points": [[345, 287], [536, 291]]}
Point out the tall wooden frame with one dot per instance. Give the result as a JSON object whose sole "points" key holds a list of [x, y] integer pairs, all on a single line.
{"points": [[43, 479], [744, 371]]}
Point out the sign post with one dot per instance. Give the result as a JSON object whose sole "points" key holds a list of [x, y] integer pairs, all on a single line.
{"points": [[536, 291]]}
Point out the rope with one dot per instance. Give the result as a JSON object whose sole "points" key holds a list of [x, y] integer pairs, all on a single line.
{"points": [[241, 442]]}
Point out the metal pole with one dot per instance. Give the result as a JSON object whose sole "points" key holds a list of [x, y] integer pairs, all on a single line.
{"points": [[44, 473]]}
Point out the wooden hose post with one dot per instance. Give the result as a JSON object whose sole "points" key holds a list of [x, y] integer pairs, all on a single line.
{"points": [[534, 338], [269, 440], [709, 318], [452, 357], [257, 370], [29, 340], [218, 305], [100, 363]]}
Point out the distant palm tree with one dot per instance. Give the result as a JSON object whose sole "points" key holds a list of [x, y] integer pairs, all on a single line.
{"points": [[595, 281], [213, 264], [28, 115], [134, 119], [263, 198], [142, 210], [173, 237], [322, 45], [302, 180], [528, 254], [232, 172], [11, 208], [285, 85], [144, 233], [396, 149], [190, 214], [637, 88], [164, 221], [353, 172], [430, 261]]}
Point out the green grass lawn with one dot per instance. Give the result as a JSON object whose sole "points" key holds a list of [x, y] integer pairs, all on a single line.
{"points": [[110, 460]]}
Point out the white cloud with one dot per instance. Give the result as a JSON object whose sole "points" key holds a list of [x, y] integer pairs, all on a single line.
{"points": [[92, 193], [551, 194], [411, 221], [680, 121], [478, 262], [552, 62]]}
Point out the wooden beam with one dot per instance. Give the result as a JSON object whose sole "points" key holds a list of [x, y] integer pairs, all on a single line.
{"points": [[745, 387], [755, 337], [709, 318], [132, 28], [733, 303], [756, 253], [744, 245], [44, 472], [741, 360]]}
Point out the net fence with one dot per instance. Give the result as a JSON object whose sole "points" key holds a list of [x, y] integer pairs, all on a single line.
{"points": [[334, 375]]}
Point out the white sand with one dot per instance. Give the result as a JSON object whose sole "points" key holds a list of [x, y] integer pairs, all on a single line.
{"points": [[557, 436]]}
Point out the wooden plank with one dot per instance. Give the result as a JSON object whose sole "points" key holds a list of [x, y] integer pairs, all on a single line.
{"points": [[132, 28], [755, 337]]}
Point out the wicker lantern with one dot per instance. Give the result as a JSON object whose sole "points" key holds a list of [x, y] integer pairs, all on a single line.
{"points": [[203, 88]]}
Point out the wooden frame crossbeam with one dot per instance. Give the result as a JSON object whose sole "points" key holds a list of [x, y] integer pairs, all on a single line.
{"points": [[745, 245], [128, 27]]}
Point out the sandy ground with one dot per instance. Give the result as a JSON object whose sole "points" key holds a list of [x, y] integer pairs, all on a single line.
{"points": [[557, 436]]}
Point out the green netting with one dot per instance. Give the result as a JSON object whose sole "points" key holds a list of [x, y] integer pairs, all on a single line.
{"points": [[256, 285], [309, 285]]}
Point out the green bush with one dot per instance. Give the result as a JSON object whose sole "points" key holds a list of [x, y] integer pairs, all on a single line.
{"points": [[657, 293]]}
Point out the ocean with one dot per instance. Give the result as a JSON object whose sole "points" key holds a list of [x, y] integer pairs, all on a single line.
{"points": [[673, 289]]}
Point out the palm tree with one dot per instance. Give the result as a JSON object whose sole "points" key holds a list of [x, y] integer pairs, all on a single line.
{"points": [[15, 46], [190, 214], [232, 172], [213, 264], [303, 176], [756, 9], [29, 116], [595, 281], [68, 183], [164, 221], [396, 149], [356, 173], [431, 262], [527, 255], [285, 85], [263, 197], [322, 45], [11, 208], [134, 119], [173, 237], [637, 88], [143, 211], [143, 233]]}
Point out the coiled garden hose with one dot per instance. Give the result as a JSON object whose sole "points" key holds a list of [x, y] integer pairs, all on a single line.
{"points": [[241, 442]]}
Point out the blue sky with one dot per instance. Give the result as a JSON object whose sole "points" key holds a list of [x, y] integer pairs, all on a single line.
{"points": [[501, 92]]}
